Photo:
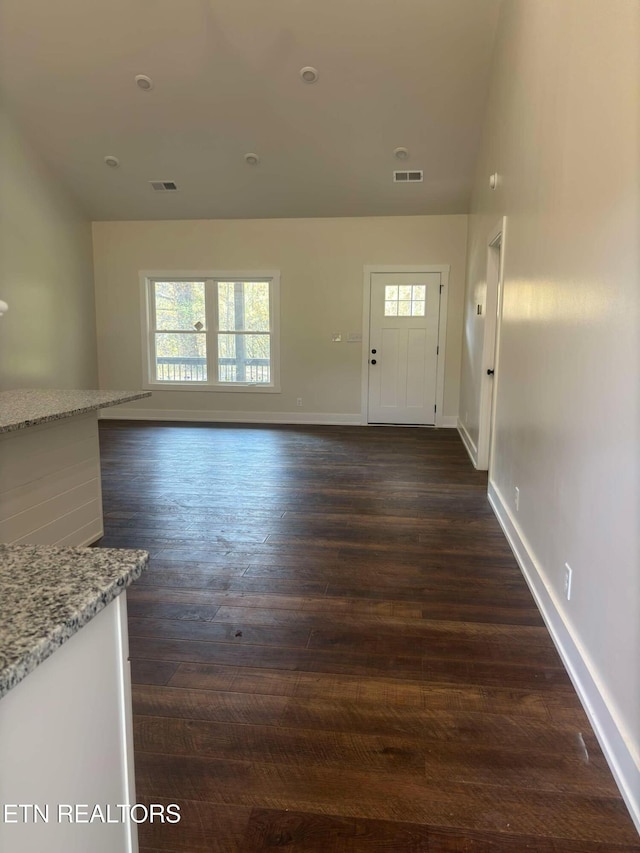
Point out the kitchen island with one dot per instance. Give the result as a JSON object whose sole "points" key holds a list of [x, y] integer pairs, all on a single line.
{"points": [[65, 706], [50, 490]]}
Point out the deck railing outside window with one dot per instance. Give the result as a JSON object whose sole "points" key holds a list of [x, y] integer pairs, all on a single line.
{"points": [[183, 369]]}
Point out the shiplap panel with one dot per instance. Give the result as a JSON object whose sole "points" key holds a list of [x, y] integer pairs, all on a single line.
{"points": [[63, 529], [50, 490], [37, 491], [59, 433], [83, 535], [30, 454], [20, 466]]}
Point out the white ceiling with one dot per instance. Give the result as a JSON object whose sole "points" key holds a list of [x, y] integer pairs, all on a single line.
{"points": [[393, 73]]}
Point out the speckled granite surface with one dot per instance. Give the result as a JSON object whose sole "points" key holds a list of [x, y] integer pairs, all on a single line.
{"points": [[20, 409], [47, 593]]}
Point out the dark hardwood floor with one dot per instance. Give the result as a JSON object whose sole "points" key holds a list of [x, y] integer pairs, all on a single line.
{"points": [[333, 650]]}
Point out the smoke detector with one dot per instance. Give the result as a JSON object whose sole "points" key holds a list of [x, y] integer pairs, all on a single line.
{"points": [[309, 74], [252, 159], [143, 82], [401, 153], [112, 161]]}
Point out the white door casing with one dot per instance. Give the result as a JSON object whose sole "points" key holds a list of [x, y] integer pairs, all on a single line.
{"points": [[403, 380], [491, 344]]}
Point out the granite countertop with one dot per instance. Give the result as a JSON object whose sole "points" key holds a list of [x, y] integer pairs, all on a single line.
{"points": [[47, 593], [25, 408]]}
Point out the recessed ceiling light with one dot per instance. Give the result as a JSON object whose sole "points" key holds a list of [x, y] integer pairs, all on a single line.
{"points": [[112, 161], [143, 82], [252, 159], [401, 153], [309, 74]]}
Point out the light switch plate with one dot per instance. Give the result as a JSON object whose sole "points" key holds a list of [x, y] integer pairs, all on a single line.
{"points": [[354, 337], [336, 337]]}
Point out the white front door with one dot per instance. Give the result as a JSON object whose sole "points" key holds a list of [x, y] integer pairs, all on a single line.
{"points": [[403, 347]]}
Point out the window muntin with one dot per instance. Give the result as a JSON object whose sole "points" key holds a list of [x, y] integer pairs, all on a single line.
{"points": [[214, 332], [404, 300]]}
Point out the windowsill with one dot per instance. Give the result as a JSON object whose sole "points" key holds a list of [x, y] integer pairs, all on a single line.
{"points": [[236, 388]]}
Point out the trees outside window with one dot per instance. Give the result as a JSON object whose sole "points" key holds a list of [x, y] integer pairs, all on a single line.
{"points": [[212, 331]]}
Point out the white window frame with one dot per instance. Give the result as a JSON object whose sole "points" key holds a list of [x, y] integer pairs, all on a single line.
{"points": [[210, 277]]}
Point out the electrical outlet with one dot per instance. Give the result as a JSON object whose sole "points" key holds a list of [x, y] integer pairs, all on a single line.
{"points": [[517, 499], [298, 401], [568, 577]]}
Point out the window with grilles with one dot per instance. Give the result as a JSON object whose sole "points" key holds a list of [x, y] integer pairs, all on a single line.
{"points": [[212, 331]]}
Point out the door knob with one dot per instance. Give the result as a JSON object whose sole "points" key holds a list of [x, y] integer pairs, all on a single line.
{"points": [[373, 361], [490, 372], [374, 351]]}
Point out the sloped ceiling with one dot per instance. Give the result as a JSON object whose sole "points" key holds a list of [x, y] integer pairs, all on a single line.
{"points": [[410, 73]]}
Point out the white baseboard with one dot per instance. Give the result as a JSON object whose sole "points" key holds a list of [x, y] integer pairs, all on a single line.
{"points": [[470, 446], [122, 413], [618, 749]]}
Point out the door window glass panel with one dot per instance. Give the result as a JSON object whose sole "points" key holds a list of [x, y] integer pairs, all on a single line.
{"points": [[405, 300]]}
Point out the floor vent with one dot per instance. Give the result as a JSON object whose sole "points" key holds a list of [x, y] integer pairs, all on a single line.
{"points": [[408, 177], [164, 186]]}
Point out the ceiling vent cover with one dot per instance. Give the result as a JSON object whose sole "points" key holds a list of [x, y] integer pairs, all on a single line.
{"points": [[404, 177], [164, 186]]}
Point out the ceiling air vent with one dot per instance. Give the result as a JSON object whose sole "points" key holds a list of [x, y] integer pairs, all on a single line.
{"points": [[164, 186], [405, 177]]}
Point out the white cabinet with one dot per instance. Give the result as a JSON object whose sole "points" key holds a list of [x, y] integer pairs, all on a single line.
{"points": [[66, 738]]}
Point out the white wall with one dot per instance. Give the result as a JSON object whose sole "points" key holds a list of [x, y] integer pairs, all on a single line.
{"points": [[562, 129], [321, 263], [47, 339]]}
